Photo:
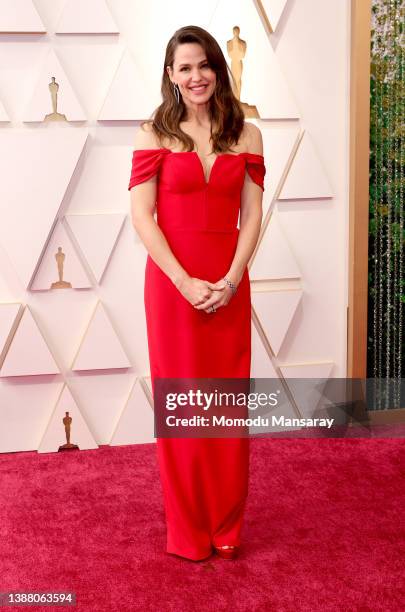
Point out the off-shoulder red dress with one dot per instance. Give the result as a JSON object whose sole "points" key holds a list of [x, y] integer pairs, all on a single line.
{"points": [[204, 480]]}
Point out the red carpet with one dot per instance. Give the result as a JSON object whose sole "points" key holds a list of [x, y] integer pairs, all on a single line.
{"points": [[324, 530]]}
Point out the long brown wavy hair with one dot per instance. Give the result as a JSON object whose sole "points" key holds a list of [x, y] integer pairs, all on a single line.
{"points": [[225, 110]]}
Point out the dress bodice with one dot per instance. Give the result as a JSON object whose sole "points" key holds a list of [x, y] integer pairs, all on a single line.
{"points": [[185, 199]]}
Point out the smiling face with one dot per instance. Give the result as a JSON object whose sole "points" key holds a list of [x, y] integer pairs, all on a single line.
{"points": [[192, 73]]}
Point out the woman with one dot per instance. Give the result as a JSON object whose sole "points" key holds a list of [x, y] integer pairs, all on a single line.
{"points": [[202, 165]]}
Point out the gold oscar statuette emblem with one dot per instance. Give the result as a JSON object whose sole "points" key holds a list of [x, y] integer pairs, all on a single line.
{"points": [[67, 421], [60, 284], [236, 48], [55, 116]]}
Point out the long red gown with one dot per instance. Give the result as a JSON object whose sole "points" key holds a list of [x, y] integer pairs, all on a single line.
{"points": [[204, 480]]}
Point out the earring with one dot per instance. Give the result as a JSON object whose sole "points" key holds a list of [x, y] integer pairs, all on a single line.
{"points": [[176, 92]]}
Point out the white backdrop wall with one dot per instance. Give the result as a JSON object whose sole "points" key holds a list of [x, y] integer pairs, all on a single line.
{"points": [[83, 348]]}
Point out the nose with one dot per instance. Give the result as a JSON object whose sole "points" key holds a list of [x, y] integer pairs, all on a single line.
{"points": [[196, 76]]}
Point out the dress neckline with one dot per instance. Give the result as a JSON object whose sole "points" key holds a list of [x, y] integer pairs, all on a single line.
{"points": [[206, 182]]}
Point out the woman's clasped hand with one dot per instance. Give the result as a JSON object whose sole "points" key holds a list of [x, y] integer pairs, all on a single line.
{"points": [[204, 295]]}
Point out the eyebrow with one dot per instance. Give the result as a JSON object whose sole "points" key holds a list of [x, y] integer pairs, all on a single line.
{"points": [[202, 62]]}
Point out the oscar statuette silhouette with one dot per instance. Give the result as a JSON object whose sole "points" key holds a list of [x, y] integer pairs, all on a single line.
{"points": [[236, 48], [55, 116], [67, 421], [60, 260]]}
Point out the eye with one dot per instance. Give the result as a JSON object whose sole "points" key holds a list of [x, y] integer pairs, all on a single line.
{"points": [[206, 65]]}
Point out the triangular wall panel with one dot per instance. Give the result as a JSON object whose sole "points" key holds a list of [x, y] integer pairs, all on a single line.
{"points": [[100, 347], [129, 97], [278, 146], [101, 397], [274, 259], [20, 16], [60, 260], [261, 365], [98, 62], [306, 382], [53, 155], [88, 17], [96, 236], [147, 382], [25, 409], [28, 354], [136, 422], [55, 436], [40, 104], [306, 178], [4, 118], [275, 310], [10, 314], [273, 10]]}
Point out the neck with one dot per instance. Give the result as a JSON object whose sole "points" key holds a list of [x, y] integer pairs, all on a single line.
{"points": [[198, 114]]}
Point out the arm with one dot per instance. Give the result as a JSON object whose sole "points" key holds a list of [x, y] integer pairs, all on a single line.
{"points": [[250, 215], [143, 201]]}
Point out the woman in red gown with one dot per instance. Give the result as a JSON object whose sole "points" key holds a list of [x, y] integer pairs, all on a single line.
{"points": [[197, 290]]}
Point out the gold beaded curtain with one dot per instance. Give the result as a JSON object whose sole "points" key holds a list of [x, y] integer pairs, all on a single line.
{"points": [[386, 280]]}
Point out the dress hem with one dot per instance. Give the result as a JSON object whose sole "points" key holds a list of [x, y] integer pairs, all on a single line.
{"points": [[190, 556]]}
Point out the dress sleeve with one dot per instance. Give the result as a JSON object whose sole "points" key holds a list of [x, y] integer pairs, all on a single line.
{"points": [[145, 164], [256, 168]]}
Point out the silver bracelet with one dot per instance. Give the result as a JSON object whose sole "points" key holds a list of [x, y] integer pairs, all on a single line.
{"points": [[230, 283]]}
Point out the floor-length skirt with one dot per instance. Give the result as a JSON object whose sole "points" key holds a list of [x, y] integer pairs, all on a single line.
{"points": [[204, 480]]}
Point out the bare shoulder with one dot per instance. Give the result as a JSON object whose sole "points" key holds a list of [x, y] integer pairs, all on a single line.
{"points": [[145, 137], [253, 138]]}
